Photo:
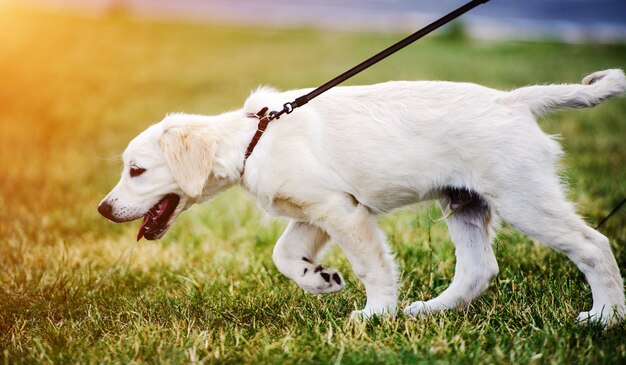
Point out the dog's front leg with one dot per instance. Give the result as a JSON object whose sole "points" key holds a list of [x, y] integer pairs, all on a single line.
{"points": [[356, 231], [295, 255]]}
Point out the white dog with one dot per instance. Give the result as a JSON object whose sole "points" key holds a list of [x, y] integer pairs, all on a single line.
{"points": [[358, 151]]}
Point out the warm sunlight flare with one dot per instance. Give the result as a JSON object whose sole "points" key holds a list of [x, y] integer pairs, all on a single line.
{"points": [[76, 86]]}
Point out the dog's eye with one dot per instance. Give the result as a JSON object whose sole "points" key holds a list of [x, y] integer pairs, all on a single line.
{"points": [[136, 171]]}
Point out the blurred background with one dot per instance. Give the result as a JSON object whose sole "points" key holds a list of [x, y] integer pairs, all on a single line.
{"points": [[80, 78], [564, 20]]}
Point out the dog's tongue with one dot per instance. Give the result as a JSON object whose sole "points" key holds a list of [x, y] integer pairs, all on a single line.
{"points": [[151, 219], [143, 228]]}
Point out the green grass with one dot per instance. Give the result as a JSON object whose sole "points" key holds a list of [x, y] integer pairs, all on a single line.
{"points": [[75, 288]]}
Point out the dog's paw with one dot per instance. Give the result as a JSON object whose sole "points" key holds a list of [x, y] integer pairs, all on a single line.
{"points": [[421, 307], [388, 309], [365, 314], [605, 317], [361, 314], [591, 317], [319, 280]]}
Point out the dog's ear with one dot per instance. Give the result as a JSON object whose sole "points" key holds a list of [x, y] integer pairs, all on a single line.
{"points": [[189, 151]]}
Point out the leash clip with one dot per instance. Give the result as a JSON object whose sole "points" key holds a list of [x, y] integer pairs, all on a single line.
{"points": [[287, 109]]}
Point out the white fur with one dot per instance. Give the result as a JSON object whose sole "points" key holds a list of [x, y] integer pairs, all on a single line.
{"points": [[357, 151]]}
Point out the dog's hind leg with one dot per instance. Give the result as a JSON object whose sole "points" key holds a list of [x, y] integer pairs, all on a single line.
{"points": [[542, 212], [295, 254], [468, 221]]}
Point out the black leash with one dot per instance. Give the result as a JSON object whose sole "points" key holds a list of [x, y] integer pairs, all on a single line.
{"points": [[264, 118], [302, 100], [611, 214]]}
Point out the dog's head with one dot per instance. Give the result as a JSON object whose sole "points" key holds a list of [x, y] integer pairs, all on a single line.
{"points": [[167, 168]]}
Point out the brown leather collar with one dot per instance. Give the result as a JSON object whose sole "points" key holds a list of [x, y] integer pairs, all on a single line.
{"points": [[264, 120]]}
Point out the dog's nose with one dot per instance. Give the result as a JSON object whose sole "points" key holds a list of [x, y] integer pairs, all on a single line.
{"points": [[106, 210]]}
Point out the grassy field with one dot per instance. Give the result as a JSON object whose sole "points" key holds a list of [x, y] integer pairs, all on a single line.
{"points": [[75, 288]]}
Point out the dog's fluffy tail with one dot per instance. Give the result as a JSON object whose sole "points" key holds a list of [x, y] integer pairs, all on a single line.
{"points": [[595, 88]]}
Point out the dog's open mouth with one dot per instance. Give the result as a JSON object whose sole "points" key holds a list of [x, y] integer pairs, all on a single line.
{"points": [[155, 222]]}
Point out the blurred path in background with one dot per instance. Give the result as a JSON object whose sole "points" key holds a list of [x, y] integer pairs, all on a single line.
{"points": [[565, 20]]}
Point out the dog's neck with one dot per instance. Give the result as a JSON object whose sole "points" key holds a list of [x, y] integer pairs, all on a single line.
{"points": [[233, 132]]}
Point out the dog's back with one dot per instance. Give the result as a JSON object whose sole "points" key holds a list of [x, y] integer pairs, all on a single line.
{"points": [[417, 136]]}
